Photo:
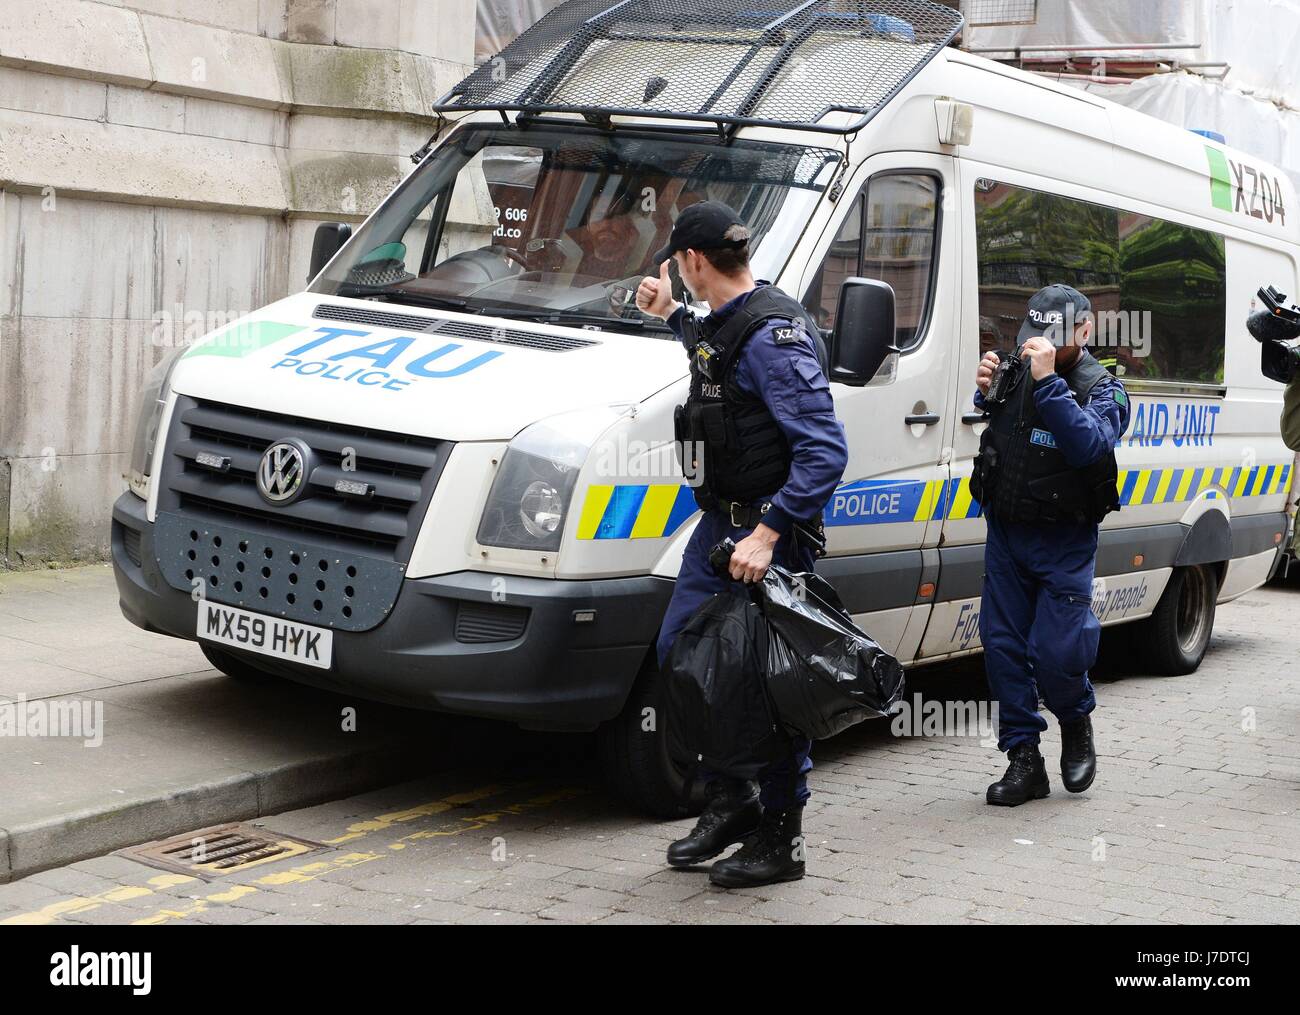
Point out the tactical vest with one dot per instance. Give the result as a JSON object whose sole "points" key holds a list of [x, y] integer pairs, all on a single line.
{"points": [[730, 446], [1021, 475]]}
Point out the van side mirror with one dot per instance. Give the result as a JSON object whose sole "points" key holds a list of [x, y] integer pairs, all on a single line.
{"points": [[330, 237], [864, 331]]}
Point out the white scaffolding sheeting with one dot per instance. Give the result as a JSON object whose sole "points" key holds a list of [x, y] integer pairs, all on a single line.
{"points": [[1096, 23], [501, 21], [1248, 124], [1260, 39], [1254, 106]]}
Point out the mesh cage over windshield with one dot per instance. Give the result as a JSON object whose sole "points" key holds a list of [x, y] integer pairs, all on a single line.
{"points": [[820, 64], [784, 166]]}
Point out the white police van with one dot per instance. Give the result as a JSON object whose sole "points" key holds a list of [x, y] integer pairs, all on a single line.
{"points": [[442, 475]]}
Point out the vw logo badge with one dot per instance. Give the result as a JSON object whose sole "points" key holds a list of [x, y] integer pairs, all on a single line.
{"points": [[282, 472]]}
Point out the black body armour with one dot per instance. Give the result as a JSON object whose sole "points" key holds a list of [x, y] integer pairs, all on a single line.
{"points": [[727, 439], [1021, 476]]}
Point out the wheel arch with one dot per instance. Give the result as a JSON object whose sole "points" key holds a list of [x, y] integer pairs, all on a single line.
{"points": [[1208, 541]]}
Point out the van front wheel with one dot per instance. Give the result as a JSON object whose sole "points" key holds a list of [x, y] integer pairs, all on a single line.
{"points": [[634, 753], [1174, 638]]}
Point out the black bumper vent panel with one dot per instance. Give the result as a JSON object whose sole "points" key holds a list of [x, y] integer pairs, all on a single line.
{"points": [[478, 623], [279, 577]]}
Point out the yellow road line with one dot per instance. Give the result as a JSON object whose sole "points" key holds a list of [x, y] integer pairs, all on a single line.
{"points": [[384, 821], [80, 904], [310, 871]]}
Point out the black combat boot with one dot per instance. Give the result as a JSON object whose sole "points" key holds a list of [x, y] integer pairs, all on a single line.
{"points": [[733, 812], [1078, 755], [1026, 778], [774, 853]]}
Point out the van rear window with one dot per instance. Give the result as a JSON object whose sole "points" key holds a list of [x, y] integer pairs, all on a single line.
{"points": [[1158, 289]]}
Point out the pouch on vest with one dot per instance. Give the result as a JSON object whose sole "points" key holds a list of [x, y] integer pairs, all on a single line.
{"points": [[682, 437], [1105, 497], [1060, 491]]}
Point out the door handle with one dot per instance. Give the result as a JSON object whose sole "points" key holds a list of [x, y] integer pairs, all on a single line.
{"points": [[971, 418], [924, 419]]}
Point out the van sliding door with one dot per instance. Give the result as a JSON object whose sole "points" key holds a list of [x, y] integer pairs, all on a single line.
{"points": [[883, 523]]}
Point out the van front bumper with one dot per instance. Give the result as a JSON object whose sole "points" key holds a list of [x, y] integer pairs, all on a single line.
{"points": [[543, 653]]}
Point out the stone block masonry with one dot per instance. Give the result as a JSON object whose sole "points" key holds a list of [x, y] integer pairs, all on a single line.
{"points": [[165, 158]]}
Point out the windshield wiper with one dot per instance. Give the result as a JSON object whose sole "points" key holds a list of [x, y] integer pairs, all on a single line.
{"points": [[539, 315], [542, 316], [414, 299]]}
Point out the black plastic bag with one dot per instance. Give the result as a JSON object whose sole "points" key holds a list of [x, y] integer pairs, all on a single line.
{"points": [[719, 714], [824, 673]]}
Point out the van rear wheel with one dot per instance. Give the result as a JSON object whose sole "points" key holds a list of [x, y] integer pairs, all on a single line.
{"points": [[635, 757], [1174, 638]]}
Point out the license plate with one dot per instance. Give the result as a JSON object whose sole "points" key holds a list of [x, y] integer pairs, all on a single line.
{"points": [[268, 636]]}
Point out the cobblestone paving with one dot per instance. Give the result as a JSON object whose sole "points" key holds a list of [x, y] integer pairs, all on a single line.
{"points": [[1193, 819]]}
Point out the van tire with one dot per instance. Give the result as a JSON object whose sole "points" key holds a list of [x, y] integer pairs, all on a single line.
{"points": [[637, 763], [234, 667], [1174, 638]]}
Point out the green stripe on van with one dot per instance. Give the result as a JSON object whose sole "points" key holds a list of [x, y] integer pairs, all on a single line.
{"points": [[1220, 184], [242, 338]]}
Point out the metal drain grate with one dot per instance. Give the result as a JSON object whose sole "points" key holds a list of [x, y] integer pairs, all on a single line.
{"points": [[220, 850]]}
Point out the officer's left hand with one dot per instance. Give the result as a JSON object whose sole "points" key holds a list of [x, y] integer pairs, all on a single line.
{"points": [[753, 555], [1042, 357]]}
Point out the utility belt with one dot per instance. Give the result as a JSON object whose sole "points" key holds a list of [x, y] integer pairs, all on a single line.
{"points": [[810, 535]]}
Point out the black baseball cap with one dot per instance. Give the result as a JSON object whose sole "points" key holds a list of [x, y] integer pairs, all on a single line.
{"points": [[1050, 308], [708, 225]]}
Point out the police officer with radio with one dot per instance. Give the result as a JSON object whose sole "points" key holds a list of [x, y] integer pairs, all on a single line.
{"points": [[764, 451], [1045, 477]]}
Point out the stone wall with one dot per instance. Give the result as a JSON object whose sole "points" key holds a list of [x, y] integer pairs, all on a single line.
{"points": [[165, 162]]}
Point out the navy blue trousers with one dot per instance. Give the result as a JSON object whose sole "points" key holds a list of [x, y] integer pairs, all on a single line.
{"points": [[783, 784], [1036, 622]]}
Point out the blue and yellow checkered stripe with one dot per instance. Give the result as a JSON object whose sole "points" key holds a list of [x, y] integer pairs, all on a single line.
{"points": [[1169, 486], [649, 511], [952, 498], [654, 511]]}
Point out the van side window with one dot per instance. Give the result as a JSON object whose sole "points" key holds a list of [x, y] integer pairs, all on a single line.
{"points": [[1157, 288], [843, 260], [889, 235]]}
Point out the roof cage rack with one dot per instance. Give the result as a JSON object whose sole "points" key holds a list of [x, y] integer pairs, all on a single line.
{"points": [[822, 65]]}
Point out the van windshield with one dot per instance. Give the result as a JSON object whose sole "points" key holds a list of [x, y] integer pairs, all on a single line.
{"points": [[561, 224]]}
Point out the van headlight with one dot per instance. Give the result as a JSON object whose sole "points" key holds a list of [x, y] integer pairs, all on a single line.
{"points": [[153, 396], [531, 495]]}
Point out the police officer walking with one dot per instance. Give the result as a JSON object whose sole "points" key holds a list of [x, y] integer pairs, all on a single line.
{"points": [[766, 452], [1045, 478]]}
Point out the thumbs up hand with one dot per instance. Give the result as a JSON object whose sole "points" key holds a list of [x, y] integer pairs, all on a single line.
{"points": [[654, 296]]}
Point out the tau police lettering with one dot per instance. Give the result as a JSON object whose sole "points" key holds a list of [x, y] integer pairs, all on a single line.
{"points": [[376, 364]]}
